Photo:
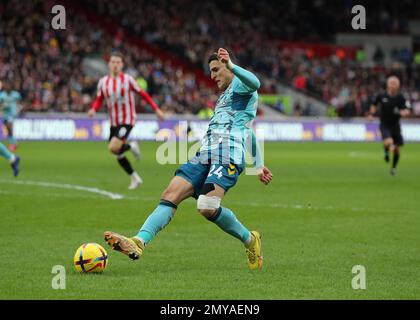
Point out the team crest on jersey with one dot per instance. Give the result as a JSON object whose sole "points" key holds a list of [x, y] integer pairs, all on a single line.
{"points": [[223, 102], [122, 132], [231, 169]]}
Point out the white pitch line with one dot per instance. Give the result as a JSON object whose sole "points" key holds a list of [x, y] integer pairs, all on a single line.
{"points": [[117, 196], [294, 206], [114, 196]]}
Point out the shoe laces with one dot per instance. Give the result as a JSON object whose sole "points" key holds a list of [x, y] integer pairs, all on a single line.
{"points": [[252, 257]]}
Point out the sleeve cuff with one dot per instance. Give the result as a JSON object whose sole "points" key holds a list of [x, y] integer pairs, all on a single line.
{"points": [[230, 65]]}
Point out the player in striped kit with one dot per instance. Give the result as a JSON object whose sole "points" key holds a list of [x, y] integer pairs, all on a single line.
{"points": [[118, 90]]}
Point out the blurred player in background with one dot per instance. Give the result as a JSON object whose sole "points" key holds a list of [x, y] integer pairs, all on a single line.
{"points": [[208, 176], [9, 100], [13, 159], [391, 107], [117, 89]]}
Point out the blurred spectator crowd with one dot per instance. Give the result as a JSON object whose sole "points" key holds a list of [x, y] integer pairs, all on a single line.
{"points": [[45, 65], [344, 84]]}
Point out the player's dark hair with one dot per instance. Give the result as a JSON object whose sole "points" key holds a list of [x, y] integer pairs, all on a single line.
{"points": [[213, 56], [116, 54]]}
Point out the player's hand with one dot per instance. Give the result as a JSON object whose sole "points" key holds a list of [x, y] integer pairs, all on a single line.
{"points": [[91, 113], [404, 113], [265, 175], [161, 116], [225, 58]]}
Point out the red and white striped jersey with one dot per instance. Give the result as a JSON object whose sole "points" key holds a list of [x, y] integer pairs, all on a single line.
{"points": [[119, 92]]}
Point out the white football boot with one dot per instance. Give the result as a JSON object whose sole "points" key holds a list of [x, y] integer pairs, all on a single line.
{"points": [[136, 181]]}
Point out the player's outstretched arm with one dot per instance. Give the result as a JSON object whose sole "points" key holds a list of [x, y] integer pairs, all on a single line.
{"points": [[96, 104], [149, 100], [246, 77], [1, 99], [91, 112], [405, 113], [136, 88], [406, 110], [372, 111], [264, 174]]}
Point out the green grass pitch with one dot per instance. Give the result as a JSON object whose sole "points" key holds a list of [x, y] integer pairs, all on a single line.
{"points": [[331, 206]]}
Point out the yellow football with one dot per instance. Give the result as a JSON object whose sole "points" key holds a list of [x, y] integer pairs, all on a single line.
{"points": [[90, 257]]}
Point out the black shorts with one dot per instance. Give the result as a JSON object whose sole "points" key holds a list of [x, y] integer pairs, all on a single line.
{"points": [[121, 132], [392, 131]]}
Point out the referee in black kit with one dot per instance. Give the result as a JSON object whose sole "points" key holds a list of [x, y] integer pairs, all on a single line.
{"points": [[391, 106]]}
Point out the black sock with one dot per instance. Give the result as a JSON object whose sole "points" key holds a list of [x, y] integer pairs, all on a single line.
{"points": [[125, 147], [395, 159], [126, 165], [386, 149]]}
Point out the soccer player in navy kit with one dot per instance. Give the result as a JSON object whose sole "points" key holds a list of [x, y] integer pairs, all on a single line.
{"points": [[391, 106]]}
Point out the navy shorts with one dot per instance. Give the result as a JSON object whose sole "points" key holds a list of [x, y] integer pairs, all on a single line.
{"points": [[121, 132], [392, 131], [198, 174]]}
